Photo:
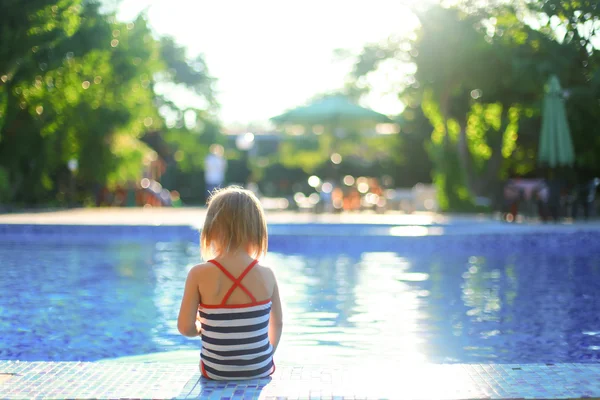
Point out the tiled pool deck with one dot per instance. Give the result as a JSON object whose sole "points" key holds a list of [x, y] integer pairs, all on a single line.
{"points": [[28, 380], [25, 380]]}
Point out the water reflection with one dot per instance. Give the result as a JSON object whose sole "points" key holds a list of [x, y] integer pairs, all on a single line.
{"points": [[77, 301], [74, 302]]}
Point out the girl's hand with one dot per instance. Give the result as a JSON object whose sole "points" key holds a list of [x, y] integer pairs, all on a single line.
{"points": [[198, 324]]}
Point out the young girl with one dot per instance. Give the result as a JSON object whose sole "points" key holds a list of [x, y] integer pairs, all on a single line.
{"points": [[231, 301]]}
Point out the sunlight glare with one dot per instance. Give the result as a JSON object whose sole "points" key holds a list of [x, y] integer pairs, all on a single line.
{"points": [[265, 49]]}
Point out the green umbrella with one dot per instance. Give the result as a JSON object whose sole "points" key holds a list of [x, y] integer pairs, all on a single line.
{"points": [[332, 110], [556, 147]]}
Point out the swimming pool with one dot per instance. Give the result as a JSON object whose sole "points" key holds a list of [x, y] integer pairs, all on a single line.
{"points": [[350, 293]]}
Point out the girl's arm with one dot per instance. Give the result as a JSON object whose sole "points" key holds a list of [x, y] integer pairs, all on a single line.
{"points": [[186, 321], [276, 318]]}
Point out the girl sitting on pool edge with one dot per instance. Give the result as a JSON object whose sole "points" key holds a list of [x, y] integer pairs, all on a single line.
{"points": [[231, 301]]}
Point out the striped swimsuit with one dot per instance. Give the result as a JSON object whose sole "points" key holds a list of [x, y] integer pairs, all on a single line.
{"points": [[235, 338]]}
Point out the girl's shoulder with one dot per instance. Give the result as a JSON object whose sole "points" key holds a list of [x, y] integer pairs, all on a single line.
{"points": [[203, 266], [201, 269], [207, 270], [266, 271]]}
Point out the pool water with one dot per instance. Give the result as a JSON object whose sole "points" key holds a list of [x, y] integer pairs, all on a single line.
{"points": [[79, 300]]}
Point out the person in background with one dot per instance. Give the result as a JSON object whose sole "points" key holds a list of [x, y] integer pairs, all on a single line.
{"points": [[326, 196], [215, 167], [512, 196], [542, 194], [586, 195]]}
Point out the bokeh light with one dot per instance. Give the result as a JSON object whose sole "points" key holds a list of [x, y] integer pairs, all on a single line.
{"points": [[348, 180], [314, 198], [245, 141], [336, 158], [299, 197], [314, 181]]}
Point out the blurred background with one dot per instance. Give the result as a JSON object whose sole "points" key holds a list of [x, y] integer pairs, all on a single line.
{"points": [[443, 106]]}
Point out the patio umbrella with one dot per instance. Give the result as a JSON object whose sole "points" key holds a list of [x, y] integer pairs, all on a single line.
{"points": [[333, 110], [556, 147]]}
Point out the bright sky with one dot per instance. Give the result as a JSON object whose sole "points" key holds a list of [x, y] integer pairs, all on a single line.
{"points": [[273, 55]]}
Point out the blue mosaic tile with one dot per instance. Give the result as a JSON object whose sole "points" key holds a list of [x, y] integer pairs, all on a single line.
{"points": [[309, 237], [29, 232], [152, 380]]}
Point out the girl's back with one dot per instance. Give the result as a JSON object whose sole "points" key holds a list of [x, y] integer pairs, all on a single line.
{"points": [[235, 320], [215, 284], [231, 301]]}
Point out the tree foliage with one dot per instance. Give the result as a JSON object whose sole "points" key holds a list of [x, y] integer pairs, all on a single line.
{"points": [[79, 84], [479, 80]]}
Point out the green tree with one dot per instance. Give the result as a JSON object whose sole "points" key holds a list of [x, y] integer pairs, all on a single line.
{"points": [[190, 130], [85, 95], [479, 79], [574, 25], [76, 83]]}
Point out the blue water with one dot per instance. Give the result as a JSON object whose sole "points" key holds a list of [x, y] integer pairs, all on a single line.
{"points": [[79, 300]]}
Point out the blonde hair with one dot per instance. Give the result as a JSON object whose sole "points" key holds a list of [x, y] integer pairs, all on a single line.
{"points": [[234, 221]]}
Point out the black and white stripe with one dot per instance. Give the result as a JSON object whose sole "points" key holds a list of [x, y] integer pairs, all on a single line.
{"points": [[235, 342]]}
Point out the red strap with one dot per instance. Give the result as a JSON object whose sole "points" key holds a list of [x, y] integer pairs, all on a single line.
{"points": [[237, 282]]}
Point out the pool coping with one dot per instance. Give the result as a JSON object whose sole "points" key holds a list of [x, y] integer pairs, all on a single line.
{"points": [[195, 216], [100, 380], [138, 221]]}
